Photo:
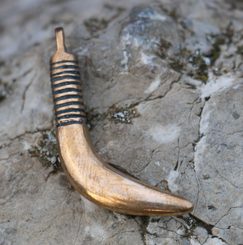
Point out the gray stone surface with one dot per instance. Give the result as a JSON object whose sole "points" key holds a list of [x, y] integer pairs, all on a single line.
{"points": [[163, 90]]}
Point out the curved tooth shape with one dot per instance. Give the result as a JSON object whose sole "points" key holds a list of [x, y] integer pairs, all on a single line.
{"points": [[94, 179]]}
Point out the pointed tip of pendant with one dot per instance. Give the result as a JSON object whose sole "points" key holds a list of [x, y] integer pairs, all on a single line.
{"points": [[178, 205], [155, 202], [185, 206]]}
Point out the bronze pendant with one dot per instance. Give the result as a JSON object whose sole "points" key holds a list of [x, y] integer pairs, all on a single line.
{"points": [[94, 179]]}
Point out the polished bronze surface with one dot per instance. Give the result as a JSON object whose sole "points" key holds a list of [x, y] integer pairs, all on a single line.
{"points": [[94, 179]]}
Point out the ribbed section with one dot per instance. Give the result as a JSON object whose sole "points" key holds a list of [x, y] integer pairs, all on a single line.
{"points": [[67, 93]]}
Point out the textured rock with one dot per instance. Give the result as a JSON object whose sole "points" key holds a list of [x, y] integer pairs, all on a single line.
{"points": [[163, 91]]}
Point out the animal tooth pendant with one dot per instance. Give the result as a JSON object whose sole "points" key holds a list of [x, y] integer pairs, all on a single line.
{"points": [[94, 179]]}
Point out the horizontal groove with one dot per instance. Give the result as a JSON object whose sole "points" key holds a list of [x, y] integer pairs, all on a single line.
{"points": [[69, 123], [66, 72], [64, 61], [57, 85], [68, 104], [76, 104], [54, 79], [71, 110], [70, 116], [66, 90], [65, 67], [69, 96]]}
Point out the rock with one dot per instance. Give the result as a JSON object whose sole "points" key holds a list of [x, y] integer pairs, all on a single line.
{"points": [[163, 91]]}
